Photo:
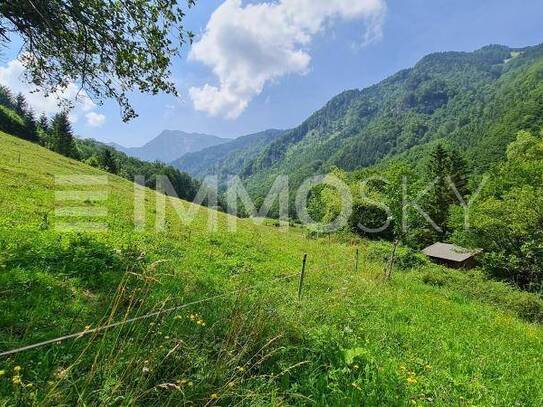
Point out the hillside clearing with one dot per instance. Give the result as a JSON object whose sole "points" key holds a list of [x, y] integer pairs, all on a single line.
{"points": [[425, 337]]}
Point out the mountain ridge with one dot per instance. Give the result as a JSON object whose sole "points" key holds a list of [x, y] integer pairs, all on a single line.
{"points": [[170, 145], [226, 158], [461, 98]]}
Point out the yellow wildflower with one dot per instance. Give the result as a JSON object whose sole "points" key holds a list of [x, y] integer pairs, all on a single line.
{"points": [[356, 367], [214, 396], [16, 380], [411, 380], [2, 373], [17, 369]]}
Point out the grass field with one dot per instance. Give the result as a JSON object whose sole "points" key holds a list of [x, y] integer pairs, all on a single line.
{"points": [[428, 336]]}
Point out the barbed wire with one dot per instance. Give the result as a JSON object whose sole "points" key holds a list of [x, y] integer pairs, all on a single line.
{"points": [[86, 332]]}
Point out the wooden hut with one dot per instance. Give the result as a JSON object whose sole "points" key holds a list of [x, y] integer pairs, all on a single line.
{"points": [[451, 255]]}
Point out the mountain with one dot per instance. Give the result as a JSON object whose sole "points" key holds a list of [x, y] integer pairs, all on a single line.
{"points": [[226, 158], [475, 101], [170, 145]]}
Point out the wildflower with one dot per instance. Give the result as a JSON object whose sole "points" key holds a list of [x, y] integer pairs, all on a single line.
{"points": [[429, 367], [166, 337], [2, 373], [356, 367], [411, 380], [29, 385], [214, 396], [240, 369], [356, 386], [231, 384], [61, 373], [403, 368], [145, 369], [192, 317], [16, 380], [182, 382], [189, 384], [17, 369], [177, 317], [87, 328]]}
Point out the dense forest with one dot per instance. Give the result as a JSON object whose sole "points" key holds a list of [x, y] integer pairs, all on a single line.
{"points": [[17, 118], [476, 102], [228, 158]]}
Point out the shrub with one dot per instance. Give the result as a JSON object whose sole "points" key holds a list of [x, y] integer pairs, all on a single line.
{"points": [[405, 259]]}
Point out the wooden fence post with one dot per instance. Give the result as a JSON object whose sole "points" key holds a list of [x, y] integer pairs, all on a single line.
{"points": [[356, 262], [388, 271], [302, 275]]}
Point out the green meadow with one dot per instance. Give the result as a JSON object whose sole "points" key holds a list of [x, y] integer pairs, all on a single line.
{"points": [[240, 335]]}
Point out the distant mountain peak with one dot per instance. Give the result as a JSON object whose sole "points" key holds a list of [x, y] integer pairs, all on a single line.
{"points": [[170, 145]]}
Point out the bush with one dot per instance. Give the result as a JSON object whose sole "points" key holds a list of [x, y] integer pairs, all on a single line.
{"points": [[405, 259]]}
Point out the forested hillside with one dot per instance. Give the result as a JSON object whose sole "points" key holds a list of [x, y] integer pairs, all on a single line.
{"points": [[227, 158], [475, 102], [18, 118]]}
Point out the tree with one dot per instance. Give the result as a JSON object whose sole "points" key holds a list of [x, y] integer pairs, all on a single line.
{"points": [[107, 161], [44, 131], [62, 136], [6, 97], [107, 47], [21, 107], [447, 171], [506, 219]]}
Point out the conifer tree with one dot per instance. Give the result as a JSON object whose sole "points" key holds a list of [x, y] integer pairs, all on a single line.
{"points": [[62, 136], [447, 170], [108, 162]]}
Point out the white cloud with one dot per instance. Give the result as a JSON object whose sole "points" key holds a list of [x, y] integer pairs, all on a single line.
{"points": [[12, 76], [249, 46], [95, 119]]}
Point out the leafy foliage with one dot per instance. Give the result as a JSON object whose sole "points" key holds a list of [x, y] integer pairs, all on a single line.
{"points": [[506, 219], [107, 47]]}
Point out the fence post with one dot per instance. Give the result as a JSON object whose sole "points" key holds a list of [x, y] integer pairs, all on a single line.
{"points": [[356, 262], [388, 271], [302, 275]]}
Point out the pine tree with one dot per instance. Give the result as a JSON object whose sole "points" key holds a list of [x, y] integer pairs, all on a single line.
{"points": [[62, 136], [447, 170], [6, 97], [108, 162], [44, 131], [21, 107], [31, 126]]}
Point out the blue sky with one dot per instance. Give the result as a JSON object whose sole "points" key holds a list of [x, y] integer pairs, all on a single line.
{"points": [[277, 79]]}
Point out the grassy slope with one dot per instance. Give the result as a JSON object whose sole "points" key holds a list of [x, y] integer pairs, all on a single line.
{"points": [[353, 339]]}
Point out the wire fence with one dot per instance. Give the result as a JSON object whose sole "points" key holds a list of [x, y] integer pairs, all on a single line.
{"points": [[105, 327]]}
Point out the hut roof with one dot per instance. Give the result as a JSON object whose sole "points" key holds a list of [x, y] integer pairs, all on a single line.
{"points": [[449, 252]]}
